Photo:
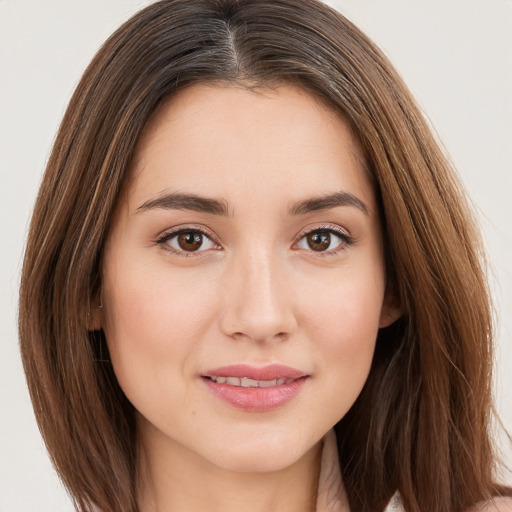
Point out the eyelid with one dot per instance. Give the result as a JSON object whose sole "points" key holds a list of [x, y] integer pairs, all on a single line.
{"points": [[343, 234], [340, 232], [176, 230]]}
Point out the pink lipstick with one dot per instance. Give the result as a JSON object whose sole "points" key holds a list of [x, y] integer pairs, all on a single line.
{"points": [[255, 389]]}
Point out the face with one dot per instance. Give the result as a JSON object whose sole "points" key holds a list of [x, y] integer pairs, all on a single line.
{"points": [[243, 276]]}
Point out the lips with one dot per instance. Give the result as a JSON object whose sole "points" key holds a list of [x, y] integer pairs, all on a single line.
{"points": [[264, 373], [255, 389], [246, 382]]}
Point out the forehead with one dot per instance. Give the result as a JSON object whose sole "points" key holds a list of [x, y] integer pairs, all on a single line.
{"points": [[227, 140]]}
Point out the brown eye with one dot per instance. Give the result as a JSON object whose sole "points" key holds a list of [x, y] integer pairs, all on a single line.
{"points": [[325, 240], [319, 240], [190, 240], [187, 241]]}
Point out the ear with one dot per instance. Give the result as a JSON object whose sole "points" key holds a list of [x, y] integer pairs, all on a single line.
{"points": [[391, 309]]}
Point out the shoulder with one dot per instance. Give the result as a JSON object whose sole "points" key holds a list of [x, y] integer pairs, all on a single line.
{"points": [[496, 505]]}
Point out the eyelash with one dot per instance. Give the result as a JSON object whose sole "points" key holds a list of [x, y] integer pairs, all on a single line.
{"points": [[346, 240], [175, 233]]}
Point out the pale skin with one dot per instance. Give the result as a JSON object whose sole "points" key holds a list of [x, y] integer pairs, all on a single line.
{"points": [[271, 273]]}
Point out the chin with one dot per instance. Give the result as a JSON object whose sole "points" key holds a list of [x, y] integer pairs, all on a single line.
{"points": [[258, 455]]}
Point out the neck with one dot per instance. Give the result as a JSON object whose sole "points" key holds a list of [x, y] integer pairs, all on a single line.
{"points": [[174, 478]]}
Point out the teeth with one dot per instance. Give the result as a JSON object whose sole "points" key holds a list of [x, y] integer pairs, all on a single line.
{"points": [[248, 383], [267, 383], [245, 382]]}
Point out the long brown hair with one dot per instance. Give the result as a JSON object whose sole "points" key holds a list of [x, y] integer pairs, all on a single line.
{"points": [[421, 424]]}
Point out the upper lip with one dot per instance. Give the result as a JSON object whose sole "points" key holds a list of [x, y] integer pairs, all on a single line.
{"points": [[269, 372]]}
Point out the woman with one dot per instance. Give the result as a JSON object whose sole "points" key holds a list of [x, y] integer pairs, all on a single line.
{"points": [[247, 237]]}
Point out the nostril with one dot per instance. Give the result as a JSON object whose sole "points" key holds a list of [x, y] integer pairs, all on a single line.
{"points": [[280, 336]]}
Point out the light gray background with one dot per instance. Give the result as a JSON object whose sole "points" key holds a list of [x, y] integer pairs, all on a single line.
{"points": [[454, 54]]}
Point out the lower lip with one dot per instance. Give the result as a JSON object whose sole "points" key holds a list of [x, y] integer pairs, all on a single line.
{"points": [[256, 399]]}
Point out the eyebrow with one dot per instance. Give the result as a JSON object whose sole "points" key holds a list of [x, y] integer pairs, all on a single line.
{"points": [[327, 202], [192, 202]]}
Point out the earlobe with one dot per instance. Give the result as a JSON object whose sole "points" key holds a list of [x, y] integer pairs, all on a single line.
{"points": [[391, 310]]}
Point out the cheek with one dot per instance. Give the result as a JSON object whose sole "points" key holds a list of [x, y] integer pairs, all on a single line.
{"points": [[346, 304], [343, 325], [157, 301], [152, 328]]}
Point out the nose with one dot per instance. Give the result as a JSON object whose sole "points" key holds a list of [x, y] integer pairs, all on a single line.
{"points": [[258, 303]]}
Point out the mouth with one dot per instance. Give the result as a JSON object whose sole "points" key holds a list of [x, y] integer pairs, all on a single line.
{"points": [[248, 373], [255, 389], [246, 382]]}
